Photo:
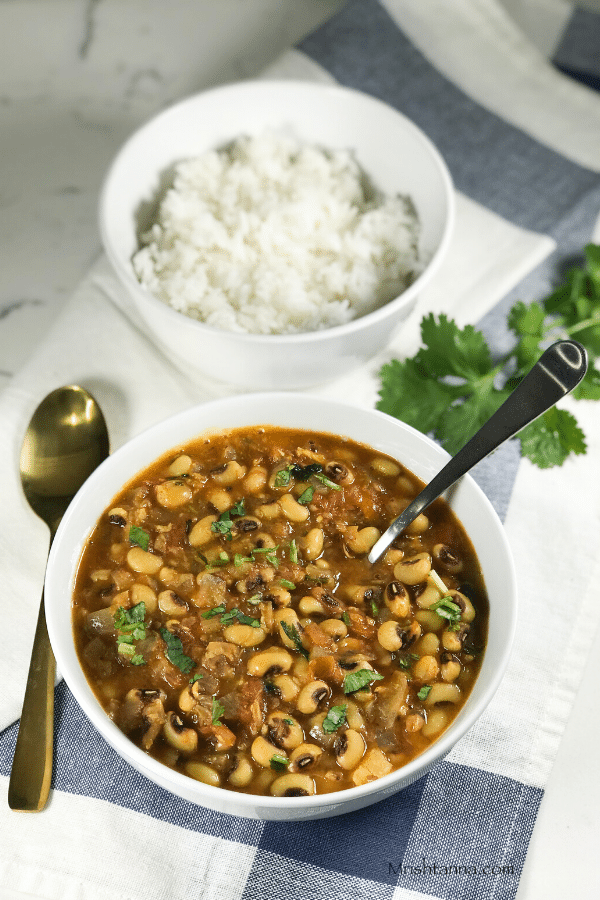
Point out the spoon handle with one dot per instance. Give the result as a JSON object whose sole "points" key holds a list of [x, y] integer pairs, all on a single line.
{"points": [[557, 372], [31, 770]]}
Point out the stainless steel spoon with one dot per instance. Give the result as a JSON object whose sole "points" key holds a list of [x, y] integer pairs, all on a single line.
{"points": [[557, 372], [64, 442]]}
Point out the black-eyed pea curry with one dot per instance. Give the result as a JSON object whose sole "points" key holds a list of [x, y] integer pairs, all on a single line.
{"points": [[230, 624]]}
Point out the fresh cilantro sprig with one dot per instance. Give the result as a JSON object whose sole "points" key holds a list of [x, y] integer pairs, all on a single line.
{"points": [[451, 386], [175, 652], [335, 718], [224, 524], [356, 681]]}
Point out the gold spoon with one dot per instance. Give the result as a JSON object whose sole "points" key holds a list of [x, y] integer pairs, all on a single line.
{"points": [[66, 440]]}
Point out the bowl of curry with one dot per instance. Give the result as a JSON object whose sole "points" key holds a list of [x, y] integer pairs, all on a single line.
{"points": [[212, 608]]}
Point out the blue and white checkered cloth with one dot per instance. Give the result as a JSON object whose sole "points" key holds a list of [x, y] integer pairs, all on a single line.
{"points": [[522, 141]]}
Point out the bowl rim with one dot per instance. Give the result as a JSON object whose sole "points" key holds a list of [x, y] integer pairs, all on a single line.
{"points": [[266, 85], [180, 784]]}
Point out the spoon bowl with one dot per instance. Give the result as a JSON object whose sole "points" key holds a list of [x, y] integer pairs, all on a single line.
{"points": [[557, 372], [65, 441]]}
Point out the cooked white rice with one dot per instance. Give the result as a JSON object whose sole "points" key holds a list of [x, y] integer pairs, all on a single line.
{"points": [[268, 236]]}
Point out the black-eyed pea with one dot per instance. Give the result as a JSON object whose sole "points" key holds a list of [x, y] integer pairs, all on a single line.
{"points": [[429, 643], [312, 543], [143, 561], [391, 635], [278, 596], [201, 772], [143, 593], [339, 472], [242, 772], [414, 569], [354, 717], [263, 540], [292, 510], [178, 735], [429, 620], [171, 604], [294, 784], [426, 668], [181, 465], [201, 532], [273, 661], [447, 559], [397, 599], [304, 757], [419, 525], [189, 697], [429, 595], [287, 687], [454, 640], [174, 493], [349, 749], [255, 480], [311, 696], [288, 622], [413, 722], [386, 467], [244, 635], [441, 692], [219, 498], [467, 610], [284, 731], [269, 511], [360, 540], [335, 628], [437, 720], [393, 556], [263, 751], [311, 606], [450, 668], [228, 473]]}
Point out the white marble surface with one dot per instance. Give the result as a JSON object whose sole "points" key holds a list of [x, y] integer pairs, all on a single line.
{"points": [[76, 77]]}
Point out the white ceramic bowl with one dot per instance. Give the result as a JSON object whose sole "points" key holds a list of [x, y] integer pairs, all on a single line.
{"points": [[380, 431], [396, 155]]}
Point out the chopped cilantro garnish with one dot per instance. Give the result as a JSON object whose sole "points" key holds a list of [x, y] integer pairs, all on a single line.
{"points": [[215, 611], [283, 477], [137, 660], [175, 652], [374, 609], [130, 623], [303, 473], [254, 599], [405, 662], [327, 481], [293, 551], [424, 692], [447, 609], [307, 495], [335, 718], [292, 633], [196, 677], [139, 536], [355, 681], [221, 560], [224, 523], [346, 619], [217, 711], [279, 763], [287, 584]]}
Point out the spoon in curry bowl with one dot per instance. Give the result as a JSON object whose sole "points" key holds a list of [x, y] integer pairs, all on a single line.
{"points": [[65, 441], [557, 372]]}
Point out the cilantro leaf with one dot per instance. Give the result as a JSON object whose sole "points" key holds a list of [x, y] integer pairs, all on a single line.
{"points": [[175, 652], [307, 495], [423, 694], [279, 763], [139, 536], [292, 633], [217, 711], [447, 609], [335, 718], [550, 439], [224, 524], [355, 681]]}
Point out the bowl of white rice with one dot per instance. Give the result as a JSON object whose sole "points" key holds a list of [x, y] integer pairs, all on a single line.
{"points": [[275, 234]]}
